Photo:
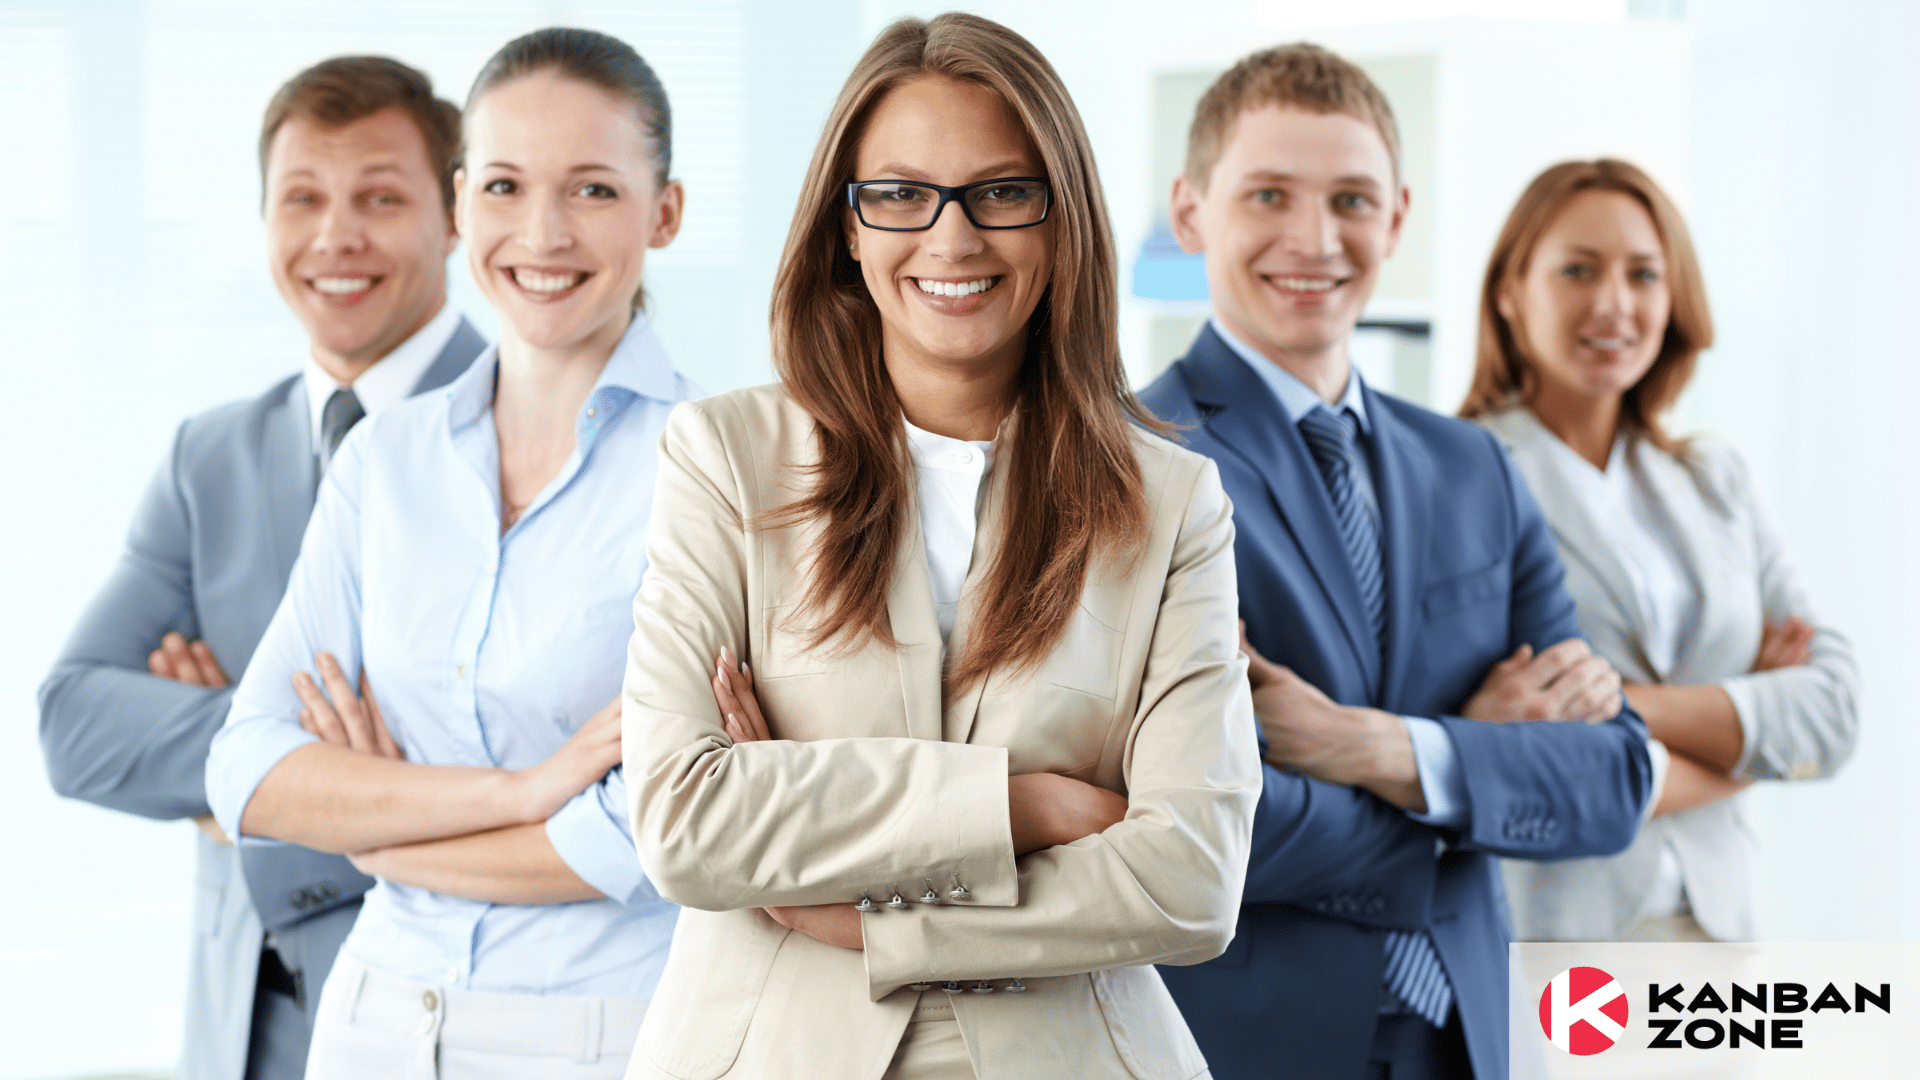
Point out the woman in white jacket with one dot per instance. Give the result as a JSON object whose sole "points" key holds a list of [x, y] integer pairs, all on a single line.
{"points": [[1592, 316]]}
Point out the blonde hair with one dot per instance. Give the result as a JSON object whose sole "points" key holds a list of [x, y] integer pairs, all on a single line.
{"points": [[1300, 76]]}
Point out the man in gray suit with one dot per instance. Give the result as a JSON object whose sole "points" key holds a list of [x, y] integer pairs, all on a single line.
{"points": [[357, 160]]}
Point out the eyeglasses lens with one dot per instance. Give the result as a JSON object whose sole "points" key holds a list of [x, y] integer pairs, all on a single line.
{"points": [[911, 206]]}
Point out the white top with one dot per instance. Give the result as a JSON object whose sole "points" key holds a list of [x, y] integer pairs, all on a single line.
{"points": [[951, 474], [390, 380], [1628, 514]]}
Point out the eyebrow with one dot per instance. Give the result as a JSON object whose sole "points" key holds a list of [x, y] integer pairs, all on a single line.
{"points": [[589, 167], [997, 169], [1581, 249], [380, 168], [1349, 180]]}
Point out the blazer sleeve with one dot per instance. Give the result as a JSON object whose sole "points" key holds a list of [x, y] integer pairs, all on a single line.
{"points": [[1548, 790], [112, 733], [1797, 723], [1164, 884], [778, 823]]}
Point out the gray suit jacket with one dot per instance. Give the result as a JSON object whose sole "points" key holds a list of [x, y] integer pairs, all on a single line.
{"points": [[211, 546], [1799, 723]]}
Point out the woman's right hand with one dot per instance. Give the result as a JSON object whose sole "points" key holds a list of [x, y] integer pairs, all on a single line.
{"points": [[579, 764], [1787, 643]]}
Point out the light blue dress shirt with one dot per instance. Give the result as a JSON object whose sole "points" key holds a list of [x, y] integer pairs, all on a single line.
{"points": [[1433, 751], [484, 650]]}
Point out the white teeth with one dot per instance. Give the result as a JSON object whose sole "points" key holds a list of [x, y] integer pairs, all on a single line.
{"points": [[1305, 284], [536, 281], [341, 286], [1609, 343], [955, 288]]}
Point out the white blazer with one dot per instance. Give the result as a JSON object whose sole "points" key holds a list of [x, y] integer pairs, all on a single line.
{"points": [[1798, 723]]}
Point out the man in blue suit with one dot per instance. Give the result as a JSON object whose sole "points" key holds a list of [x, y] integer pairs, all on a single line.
{"points": [[1403, 604], [357, 159]]}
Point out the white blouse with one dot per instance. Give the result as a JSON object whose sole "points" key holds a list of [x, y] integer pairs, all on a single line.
{"points": [[951, 474], [1628, 514]]}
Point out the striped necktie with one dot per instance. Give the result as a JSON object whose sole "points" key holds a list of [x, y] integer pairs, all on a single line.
{"points": [[1413, 973]]}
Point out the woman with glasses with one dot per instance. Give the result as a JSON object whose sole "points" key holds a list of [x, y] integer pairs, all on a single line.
{"points": [[935, 714], [472, 561]]}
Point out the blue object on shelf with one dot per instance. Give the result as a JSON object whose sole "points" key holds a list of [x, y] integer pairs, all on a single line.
{"points": [[1164, 272]]}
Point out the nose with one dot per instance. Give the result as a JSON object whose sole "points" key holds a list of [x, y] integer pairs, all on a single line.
{"points": [[341, 232], [545, 227], [1614, 296], [1310, 230], [952, 237]]}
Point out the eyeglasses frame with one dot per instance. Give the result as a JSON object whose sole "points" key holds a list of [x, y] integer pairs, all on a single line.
{"points": [[947, 195]]}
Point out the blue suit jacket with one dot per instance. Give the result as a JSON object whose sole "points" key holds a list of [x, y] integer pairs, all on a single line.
{"points": [[209, 553], [1471, 572]]}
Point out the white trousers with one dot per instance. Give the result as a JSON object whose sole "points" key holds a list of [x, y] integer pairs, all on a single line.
{"points": [[371, 1024]]}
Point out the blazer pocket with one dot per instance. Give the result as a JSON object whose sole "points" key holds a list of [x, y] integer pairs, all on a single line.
{"points": [[1087, 659], [716, 971], [1464, 590]]}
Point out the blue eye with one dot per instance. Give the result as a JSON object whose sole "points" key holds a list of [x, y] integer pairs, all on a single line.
{"points": [[1351, 200]]}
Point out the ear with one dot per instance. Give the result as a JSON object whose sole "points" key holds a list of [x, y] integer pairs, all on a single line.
{"points": [[669, 211], [459, 197], [1183, 213], [1503, 301], [1401, 204], [852, 224]]}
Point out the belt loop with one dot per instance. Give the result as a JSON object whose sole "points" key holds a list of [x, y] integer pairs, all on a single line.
{"points": [[592, 1020], [350, 1000]]}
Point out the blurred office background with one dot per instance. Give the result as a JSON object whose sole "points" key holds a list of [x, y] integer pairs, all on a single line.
{"points": [[133, 292]]}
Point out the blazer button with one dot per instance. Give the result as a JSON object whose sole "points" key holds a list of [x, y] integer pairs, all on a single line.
{"points": [[1015, 986], [951, 987], [916, 987], [959, 891], [865, 905], [983, 987], [929, 897], [898, 903]]}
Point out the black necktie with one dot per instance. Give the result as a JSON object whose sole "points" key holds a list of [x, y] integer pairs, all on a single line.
{"points": [[342, 412]]}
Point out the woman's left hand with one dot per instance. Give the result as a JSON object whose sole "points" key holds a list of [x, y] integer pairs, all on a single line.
{"points": [[339, 716], [834, 924]]}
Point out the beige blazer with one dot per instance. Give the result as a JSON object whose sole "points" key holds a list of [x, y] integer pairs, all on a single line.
{"points": [[1798, 723], [873, 788]]}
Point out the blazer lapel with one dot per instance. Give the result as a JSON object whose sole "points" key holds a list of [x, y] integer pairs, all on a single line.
{"points": [[292, 474], [1574, 529], [1677, 494], [1245, 417], [917, 630], [961, 711], [1404, 485], [455, 357]]}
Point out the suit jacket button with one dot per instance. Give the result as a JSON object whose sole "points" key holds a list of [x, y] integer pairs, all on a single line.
{"points": [[917, 987], [983, 987], [1015, 986], [951, 987]]}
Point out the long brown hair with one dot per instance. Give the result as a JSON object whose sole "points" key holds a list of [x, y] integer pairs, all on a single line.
{"points": [[1504, 377], [1074, 487]]}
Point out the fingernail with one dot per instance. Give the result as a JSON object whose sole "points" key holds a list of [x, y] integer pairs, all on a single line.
{"points": [[746, 669], [726, 655]]}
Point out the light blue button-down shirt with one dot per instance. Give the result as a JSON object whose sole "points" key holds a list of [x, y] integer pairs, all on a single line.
{"points": [[484, 650], [1433, 750]]}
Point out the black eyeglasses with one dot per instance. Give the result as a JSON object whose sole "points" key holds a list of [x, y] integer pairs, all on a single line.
{"points": [[1007, 202]]}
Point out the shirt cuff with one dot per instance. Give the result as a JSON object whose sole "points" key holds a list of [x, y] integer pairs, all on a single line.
{"points": [[1440, 778], [590, 835], [242, 756]]}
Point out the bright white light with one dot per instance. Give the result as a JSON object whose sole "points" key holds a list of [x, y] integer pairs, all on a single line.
{"points": [[1291, 14]]}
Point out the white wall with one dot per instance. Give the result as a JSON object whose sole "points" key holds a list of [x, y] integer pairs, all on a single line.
{"points": [[133, 292]]}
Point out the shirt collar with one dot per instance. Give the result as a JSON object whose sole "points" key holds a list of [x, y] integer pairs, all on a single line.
{"points": [[932, 451], [391, 379], [1296, 397], [639, 367]]}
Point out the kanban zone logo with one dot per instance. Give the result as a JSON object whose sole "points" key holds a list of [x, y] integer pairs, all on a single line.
{"points": [[1583, 1010]]}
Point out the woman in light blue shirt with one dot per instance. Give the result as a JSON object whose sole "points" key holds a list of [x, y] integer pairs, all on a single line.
{"points": [[471, 563]]}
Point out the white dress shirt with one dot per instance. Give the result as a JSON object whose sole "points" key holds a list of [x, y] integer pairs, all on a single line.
{"points": [[390, 380], [1629, 515], [1434, 756], [486, 650], [951, 474]]}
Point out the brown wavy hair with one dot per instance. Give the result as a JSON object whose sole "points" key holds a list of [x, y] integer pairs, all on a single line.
{"points": [[1074, 486], [1504, 377]]}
